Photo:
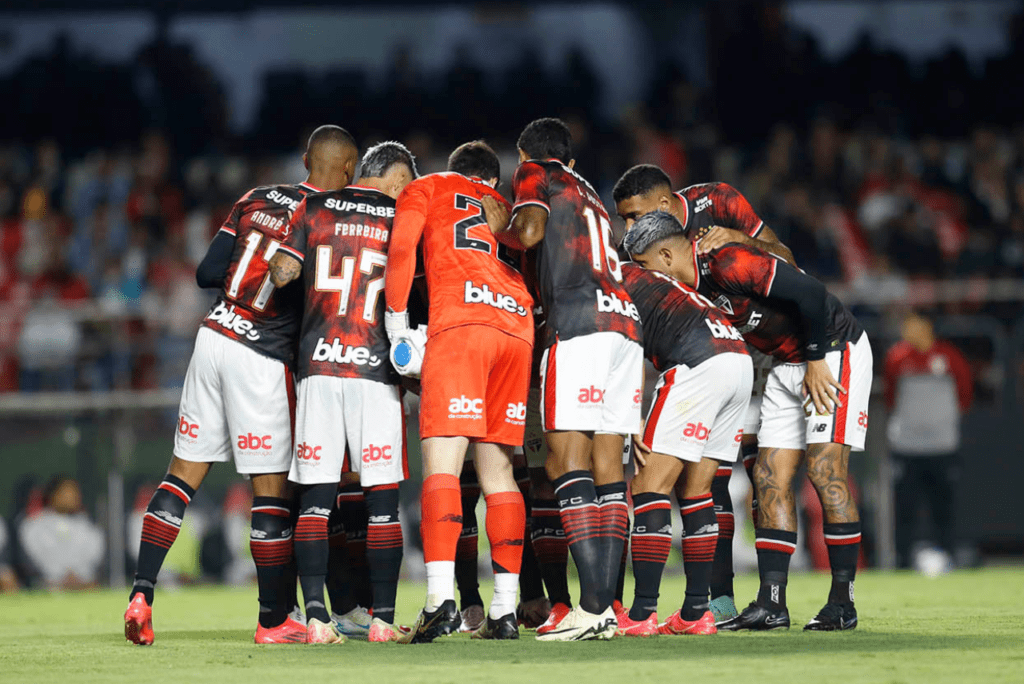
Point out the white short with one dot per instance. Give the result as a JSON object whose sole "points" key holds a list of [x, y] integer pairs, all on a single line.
{"points": [[592, 383], [237, 402], [698, 412], [762, 367], [348, 425], [786, 416]]}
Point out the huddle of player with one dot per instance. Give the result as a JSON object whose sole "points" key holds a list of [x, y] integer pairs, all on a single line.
{"points": [[510, 290]]}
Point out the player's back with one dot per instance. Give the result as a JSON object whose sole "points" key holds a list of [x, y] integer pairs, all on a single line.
{"points": [[248, 309], [471, 277], [579, 274], [717, 204], [738, 279], [680, 326], [342, 239]]}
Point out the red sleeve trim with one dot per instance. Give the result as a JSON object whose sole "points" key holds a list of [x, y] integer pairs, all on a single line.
{"points": [[230, 231], [771, 280], [757, 231], [536, 203], [292, 252]]}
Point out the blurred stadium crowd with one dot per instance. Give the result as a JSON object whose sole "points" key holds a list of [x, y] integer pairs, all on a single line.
{"points": [[872, 171]]}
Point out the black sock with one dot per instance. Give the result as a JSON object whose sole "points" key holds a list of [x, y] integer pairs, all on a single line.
{"points": [[384, 548], [722, 568], [531, 584], [700, 536], [843, 541], [160, 528], [620, 582], [551, 549], [311, 551], [651, 541], [774, 549], [467, 552], [290, 578], [611, 502], [271, 544], [352, 503], [340, 580], [749, 452], [577, 505]]}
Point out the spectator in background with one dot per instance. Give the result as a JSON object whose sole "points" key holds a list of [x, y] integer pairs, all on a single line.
{"points": [[64, 548], [928, 387], [8, 580]]}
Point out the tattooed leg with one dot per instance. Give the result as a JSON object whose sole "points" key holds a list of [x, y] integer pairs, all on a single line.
{"points": [[827, 468], [774, 473]]}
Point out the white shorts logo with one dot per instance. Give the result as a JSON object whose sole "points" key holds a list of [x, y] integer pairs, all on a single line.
{"points": [[463, 407], [516, 414]]}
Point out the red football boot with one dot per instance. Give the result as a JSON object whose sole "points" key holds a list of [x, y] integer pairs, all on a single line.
{"points": [[558, 613], [676, 625], [288, 632], [138, 621]]}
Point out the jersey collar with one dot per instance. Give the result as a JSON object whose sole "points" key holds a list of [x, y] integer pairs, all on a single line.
{"points": [[310, 186], [363, 187], [686, 208], [696, 266]]}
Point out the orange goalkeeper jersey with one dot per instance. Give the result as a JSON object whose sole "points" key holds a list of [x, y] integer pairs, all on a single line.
{"points": [[471, 278]]}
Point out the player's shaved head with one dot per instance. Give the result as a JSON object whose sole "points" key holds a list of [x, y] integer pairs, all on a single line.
{"points": [[331, 156], [379, 159], [640, 181], [651, 229], [547, 138], [475, 159]]}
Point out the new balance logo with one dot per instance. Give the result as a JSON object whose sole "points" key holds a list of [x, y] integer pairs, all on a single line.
{"points": [[484, 295], [225, 316], [375, 453], [721, 330], [820, 427], [336, 352], [307, 452], [611, 304], [253, 442], [464, 407], [697, 431], [590, 395]]}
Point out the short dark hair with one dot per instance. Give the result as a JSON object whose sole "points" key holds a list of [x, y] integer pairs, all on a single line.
{"points": [[651, 229], [475, 159], [547, 138], [329, 134], [379, 159], [639, 181]]}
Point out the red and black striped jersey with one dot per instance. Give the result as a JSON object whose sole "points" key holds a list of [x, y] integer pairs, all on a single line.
{"points": [[738, 279], [342, 238], [578, 270], [248, 309], [681, 327], [717, 204]]}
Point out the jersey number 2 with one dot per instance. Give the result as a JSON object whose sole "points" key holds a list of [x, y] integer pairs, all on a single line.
{"points": [[464, 241]]}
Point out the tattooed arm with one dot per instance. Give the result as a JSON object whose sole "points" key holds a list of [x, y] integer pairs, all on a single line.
{"points": [[284, 269]]}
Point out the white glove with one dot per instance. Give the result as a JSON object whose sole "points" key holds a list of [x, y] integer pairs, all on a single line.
{"points": [[396, 323], [407, 349]]}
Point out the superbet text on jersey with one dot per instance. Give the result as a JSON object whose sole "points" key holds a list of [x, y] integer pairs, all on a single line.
{"points": [[738, 279], [246, 311], [342, 239], [578, 270], [717, 204]]}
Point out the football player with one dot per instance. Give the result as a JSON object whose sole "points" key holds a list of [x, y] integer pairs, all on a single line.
{"points": [[349, 414], [592, 368], [238, 392], [807, 415], [474, 378], [718, 214], [694, 425]]}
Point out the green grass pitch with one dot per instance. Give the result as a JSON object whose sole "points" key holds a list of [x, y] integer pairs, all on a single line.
{"points": [[963, 627]]}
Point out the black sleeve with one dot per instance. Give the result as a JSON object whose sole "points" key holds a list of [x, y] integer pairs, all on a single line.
{"points": [[811, 298], [214, 266]]}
